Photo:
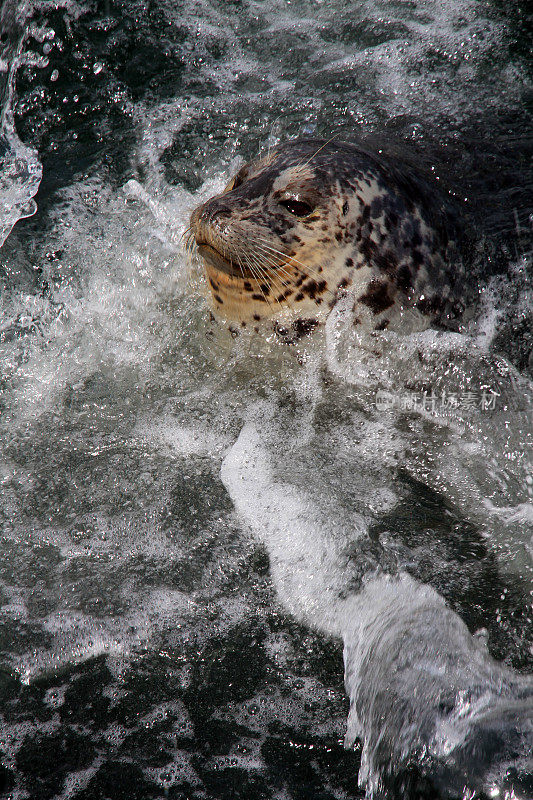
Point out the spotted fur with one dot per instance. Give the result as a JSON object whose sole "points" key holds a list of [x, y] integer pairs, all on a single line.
{"points": [[316, 219]]}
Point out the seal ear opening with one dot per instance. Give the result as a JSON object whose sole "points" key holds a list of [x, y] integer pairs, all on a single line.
{"points": [[237, 179]]}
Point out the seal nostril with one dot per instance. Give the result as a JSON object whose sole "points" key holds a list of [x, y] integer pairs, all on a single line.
{"points": [[214, 213], [219, 221]]}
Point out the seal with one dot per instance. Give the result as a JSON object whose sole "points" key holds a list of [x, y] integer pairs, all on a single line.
{"points": [[314, 219]]}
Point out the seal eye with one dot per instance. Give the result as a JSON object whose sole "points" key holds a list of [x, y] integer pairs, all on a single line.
{"points": [[297, 207]]}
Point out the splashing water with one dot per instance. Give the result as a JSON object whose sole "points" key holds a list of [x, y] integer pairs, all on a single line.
{"points": [[20, 169], [193, 526]]}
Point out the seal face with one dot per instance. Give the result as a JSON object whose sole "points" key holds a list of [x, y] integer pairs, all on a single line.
{"points": [[314, 219]]}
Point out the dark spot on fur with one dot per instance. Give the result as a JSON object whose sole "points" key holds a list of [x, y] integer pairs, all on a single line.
{"points": [[345, 207], [313, 288], [259, 298], [243, 324], [417, 257], [368, 248], [343, 284], [303, 327], [377, 297], [404, 278], [299, 297], [376, 208], [257, 317], [247, 286], [218, 299], [284, 295], [431, 305], [383, 325], [386, 261], [349, 262], [213, 284], [339, 236], [300, 280], [265, 288]]}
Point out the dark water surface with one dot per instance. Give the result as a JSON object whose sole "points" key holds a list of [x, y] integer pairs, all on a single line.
{"points": [[164, 633]]}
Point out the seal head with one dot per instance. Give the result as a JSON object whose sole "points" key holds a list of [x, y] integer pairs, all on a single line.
{"points": [[314, 219]]}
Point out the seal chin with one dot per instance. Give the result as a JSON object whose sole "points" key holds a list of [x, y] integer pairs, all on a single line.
{"points": [[216, 264]]}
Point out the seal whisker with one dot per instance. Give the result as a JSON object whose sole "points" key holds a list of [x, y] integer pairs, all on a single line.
{"points": [[307, 270], [252, 261], [186, 232], [190, 250], [300, 167], [275, 281], [239, 264], [259, 281], [275, 267], [280, 267], [271, 251], [265, 267]]}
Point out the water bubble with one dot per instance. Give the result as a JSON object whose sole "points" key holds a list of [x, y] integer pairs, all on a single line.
{"points": [[55, 75]]}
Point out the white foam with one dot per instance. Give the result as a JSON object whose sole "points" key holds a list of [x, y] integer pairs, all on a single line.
{"points": [[20, 168], [113, 323], [76, 637], [377, 622], [178, 770], [303, 561], [184, 440], [78, 780]]}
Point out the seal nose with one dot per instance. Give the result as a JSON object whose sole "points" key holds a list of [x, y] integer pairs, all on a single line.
{"points": [[210, 219]]}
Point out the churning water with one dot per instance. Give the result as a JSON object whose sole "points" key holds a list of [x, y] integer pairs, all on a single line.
{"points": [[196, 529]]}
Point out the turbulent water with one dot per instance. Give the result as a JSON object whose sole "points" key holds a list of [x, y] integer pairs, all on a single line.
{"points": [[196, 529]]}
